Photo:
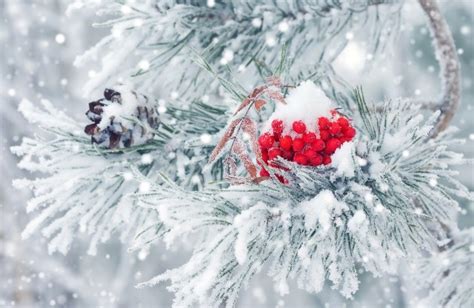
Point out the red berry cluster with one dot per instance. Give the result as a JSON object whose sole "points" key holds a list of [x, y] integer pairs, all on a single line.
{"points": [[307, 148]]}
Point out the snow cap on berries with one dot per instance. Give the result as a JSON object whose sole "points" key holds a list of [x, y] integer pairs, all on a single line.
{"points": [[305, 103]]}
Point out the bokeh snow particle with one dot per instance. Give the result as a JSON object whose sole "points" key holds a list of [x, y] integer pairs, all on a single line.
{"points": [[60, 38], [206, 138]]}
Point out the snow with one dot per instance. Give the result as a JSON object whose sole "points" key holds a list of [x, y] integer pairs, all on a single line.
{"points": [[321, 210], [116, 110], [306, 102], [376, 165], [357, 221], [343, 160], [77, 184]]}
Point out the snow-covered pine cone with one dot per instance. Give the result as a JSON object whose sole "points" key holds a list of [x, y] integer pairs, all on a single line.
{"points": [[122, 118]]}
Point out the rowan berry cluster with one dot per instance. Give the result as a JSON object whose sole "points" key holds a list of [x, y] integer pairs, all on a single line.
{"points": [[303, 145]]}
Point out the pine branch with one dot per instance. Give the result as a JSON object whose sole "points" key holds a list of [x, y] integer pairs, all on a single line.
{"points": [[448, 60], [86, 187], [252, 32], [324, 224], [448, 274]]}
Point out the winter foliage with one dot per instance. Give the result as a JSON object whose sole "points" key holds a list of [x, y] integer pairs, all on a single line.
{"points": [[85, 187], [155, 41], [324, 223], [170, 154], [449, 273]]}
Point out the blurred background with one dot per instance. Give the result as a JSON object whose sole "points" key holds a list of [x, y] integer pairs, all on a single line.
{"points": [[39, 43]]}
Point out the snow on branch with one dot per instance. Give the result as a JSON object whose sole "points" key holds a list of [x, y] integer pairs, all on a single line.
{"points": [[325, 223], [448, 273], [447, 57], [152, 41], [85, 187]]}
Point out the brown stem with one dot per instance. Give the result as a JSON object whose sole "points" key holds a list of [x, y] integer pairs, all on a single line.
{"points": [[448, 60]]}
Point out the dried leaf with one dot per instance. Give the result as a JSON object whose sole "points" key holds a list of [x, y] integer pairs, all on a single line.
{"points": [[250, 127], [244, 104], [259, 103], [251, 98], [260, 179], [227, 135], [274, 81], [239, 150], [276, 95]]}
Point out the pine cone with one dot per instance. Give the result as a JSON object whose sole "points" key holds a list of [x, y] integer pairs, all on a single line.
{"points": [[121, 120]]}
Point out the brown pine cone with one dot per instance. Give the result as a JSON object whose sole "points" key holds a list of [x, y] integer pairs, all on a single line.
{"points": [[122, 120]]}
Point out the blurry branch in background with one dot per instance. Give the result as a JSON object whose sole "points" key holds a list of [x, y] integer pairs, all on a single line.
{"points": [[448, 60], [52, 267]]}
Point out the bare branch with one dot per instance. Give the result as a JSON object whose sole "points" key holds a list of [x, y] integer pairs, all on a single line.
{"points": [[449, 64]]}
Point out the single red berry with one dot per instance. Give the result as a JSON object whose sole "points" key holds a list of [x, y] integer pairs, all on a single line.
{"points": [[299, 127], [318, 145], [300, 159], [343, 122], [327, 160], [274, 153], [332, 145], [298, 144], [277, 126], [309, 137], [324, 134], [333, 112], [288, 155], [264, 155], [286, 142], [266, 140], [309, 152], [323, 123], [349, 132], [264, 172], [334, 128], [316, 160]]}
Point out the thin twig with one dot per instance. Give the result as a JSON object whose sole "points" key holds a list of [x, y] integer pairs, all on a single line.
{"points": [[448, 60]]}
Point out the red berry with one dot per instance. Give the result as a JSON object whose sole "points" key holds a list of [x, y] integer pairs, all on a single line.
{"points": [[349, 132], [286, 142], [318, 145], [316, 160], [277, 126], [264, 155], [324, 134], [332, 145], [300, 159], [309, 153], [299, 127], [298, 144], [334, 128], [288, 155], [264, 172], [274, 153], [327, 160], [309, 137], [343, 122], [323, 123], [344, 139], [266, 140], [276, 136]]}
